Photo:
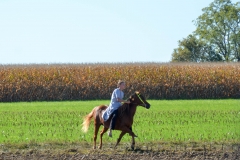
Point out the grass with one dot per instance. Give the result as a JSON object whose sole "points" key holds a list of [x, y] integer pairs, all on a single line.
{"points": [[178, 121]]}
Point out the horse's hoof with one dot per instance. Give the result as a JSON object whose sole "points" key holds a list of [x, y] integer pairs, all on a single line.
{"points": [[132, 147], [99, 147]]}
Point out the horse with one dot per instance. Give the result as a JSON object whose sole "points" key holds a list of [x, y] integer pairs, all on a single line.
{"points": [[124, 120]]}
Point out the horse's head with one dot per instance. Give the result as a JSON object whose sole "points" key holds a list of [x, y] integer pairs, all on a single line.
{"points": [[139, 99]]}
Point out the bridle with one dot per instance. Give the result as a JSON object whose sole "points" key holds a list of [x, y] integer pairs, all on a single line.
{"points": [[138, 95], [141, 100]]}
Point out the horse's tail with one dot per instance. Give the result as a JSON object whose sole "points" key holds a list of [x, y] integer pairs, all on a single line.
{"points": [[87, 120]]}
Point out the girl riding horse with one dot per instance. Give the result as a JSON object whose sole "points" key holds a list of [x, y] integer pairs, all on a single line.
{"points": [[124, 120], [116, 100]]}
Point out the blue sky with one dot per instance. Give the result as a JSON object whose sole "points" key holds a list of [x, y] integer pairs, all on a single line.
{"points": [[91, 31]]}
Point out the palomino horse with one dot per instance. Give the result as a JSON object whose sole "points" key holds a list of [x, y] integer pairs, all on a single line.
{"points": [[124, 120]]}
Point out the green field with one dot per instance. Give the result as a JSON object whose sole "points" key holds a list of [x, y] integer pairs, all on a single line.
{"points": [[177, 121]]}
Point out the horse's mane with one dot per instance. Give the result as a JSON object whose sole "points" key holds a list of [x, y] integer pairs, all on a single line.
{"points": [[123, 108]]}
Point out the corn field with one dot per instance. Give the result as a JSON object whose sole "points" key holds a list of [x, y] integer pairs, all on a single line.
{"points": [[97, 81]]}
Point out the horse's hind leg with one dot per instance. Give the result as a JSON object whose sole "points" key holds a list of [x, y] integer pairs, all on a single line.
{"points": [[120, 137], [101, 134], [96, 129]]}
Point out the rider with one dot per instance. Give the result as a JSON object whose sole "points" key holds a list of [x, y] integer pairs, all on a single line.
{"points": [[116, 100]]}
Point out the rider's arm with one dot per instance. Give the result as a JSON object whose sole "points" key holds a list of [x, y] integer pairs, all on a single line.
{"points": [[123, 101]]}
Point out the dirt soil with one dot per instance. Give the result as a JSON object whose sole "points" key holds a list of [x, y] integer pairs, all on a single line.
{"points": [[113, 154]]}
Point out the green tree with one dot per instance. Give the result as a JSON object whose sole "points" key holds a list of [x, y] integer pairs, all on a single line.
{"points": [[217, 36], [191, 49], [219, 27]]}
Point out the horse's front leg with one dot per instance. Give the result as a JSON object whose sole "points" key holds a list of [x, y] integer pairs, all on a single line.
{"points": [[133, 139], [119, 138], [133, 143], [101, 134]]}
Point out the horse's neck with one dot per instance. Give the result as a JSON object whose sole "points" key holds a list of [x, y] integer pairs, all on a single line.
{"points": [[133, 109]]}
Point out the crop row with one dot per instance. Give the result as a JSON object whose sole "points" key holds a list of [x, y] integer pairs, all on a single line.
{"points": [[97, 81]]}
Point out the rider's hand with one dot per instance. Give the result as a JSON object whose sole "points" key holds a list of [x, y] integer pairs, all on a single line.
{"points": [[127, 102]]}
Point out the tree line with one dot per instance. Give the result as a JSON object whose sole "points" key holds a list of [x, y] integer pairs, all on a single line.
{"points": [[216, 38]]}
